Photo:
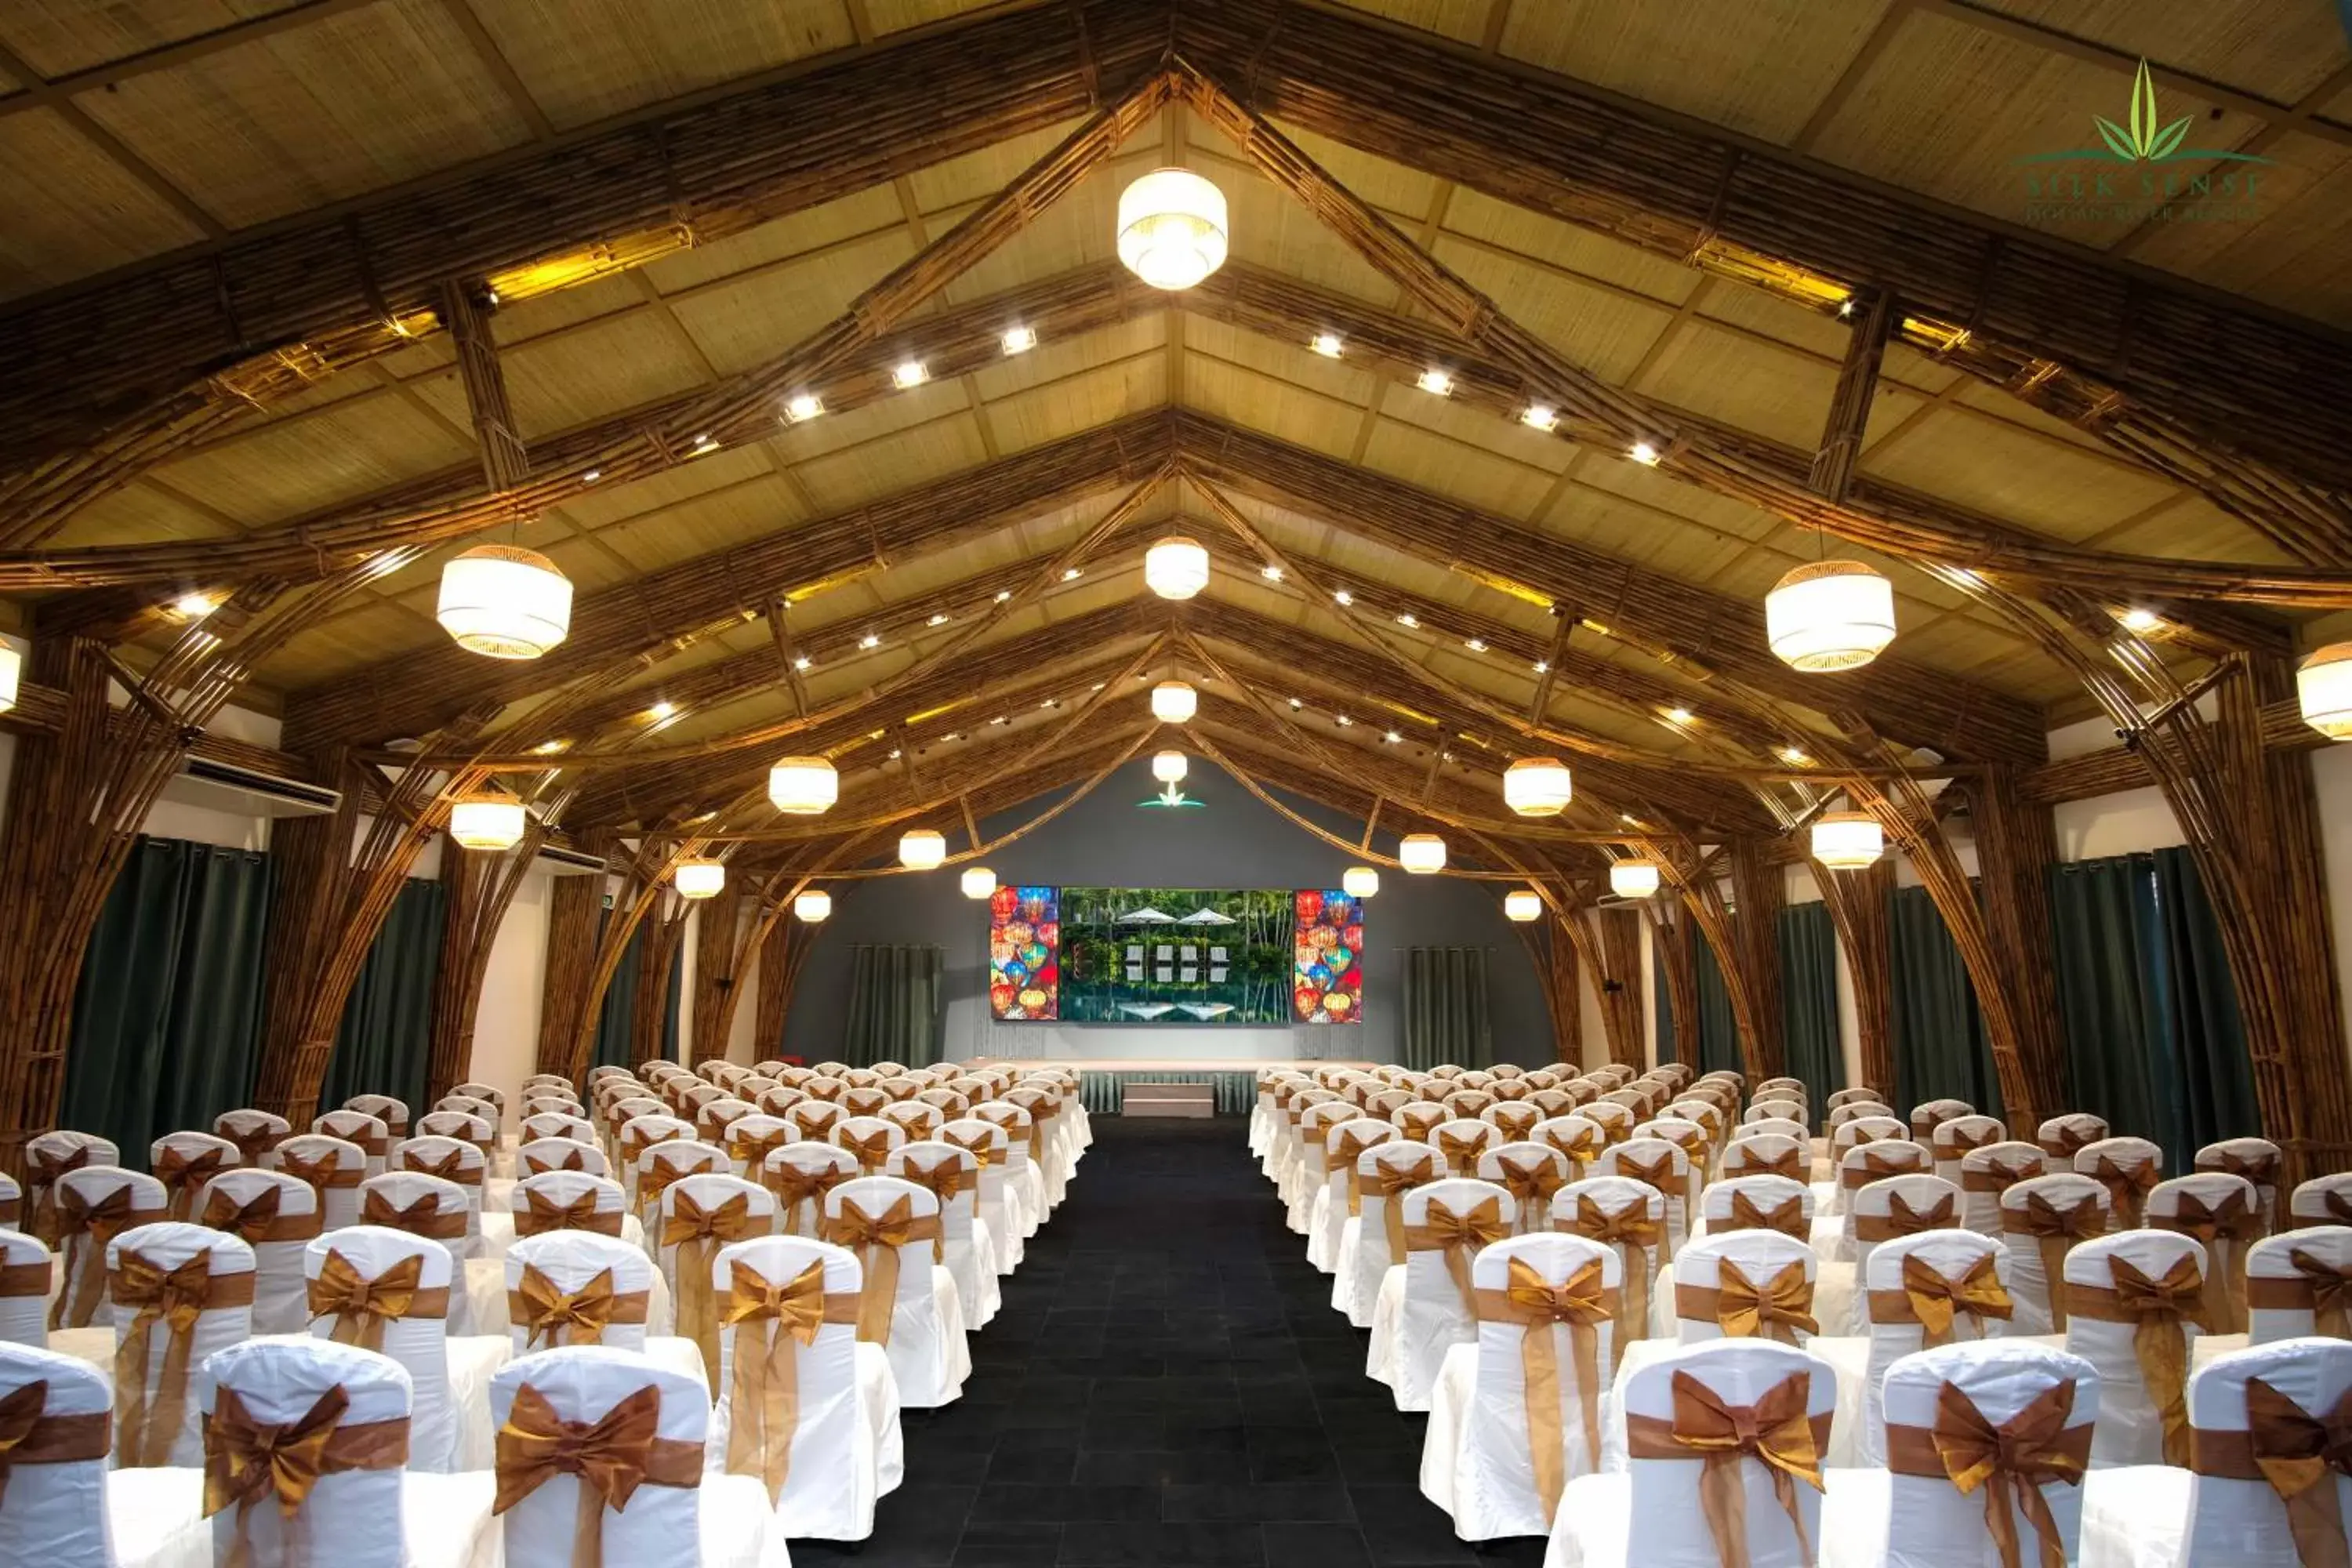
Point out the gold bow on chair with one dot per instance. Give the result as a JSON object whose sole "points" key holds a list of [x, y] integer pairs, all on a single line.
{"points": [[1461, 1151], [2055, 1233], [541, 1214], [84, 1231], [251, 1146], [1901, 1219], [2010, 1462], [41, 1175], [871, 1152], [30, 1436], [1532, 1186], [2262, 1170], [753, 1148], [318, 1174], [611, 1457], [2068, 1142], [2127, 1188], [1935, 1301], [254, 1221], [796, 1186], [1581, 1305], [944, 1180], [1776, 1431], [2338, 1207], [449, 1167], [360, 1306], [698, 1233], [1788, 1216], [876, 1240], [2235, 1221], [175, 1299], [981, 1148], [247, 1460], [1458, 1236], [1777, 1309], [2157, 1309], [1788, 1163], [770, 1321], [546, 1312], [184, 1175], [1658, 1173], [423, 1218], [1392, 1183], [2326, 1286], [1632, 1233], [1580, 1150], [575, 1158]]}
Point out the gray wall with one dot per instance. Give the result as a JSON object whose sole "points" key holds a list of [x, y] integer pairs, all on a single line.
{"points": [[1106, 840]]}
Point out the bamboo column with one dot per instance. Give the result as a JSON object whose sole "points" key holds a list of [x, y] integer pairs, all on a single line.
{"points": [[1762, 891], [1553, 952], [649, 1014], [1618, 979], [1857, 903], [574, 909], [718, 951], [1670, 948], [481, 888], [2017, 844], [782, 952]]}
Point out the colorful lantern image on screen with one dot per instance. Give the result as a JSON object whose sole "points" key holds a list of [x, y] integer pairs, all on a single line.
{"points": [[1327, 983], [1024, 954]]}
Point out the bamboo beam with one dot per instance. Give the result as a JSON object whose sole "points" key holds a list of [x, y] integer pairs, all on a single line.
{"points": [[1857, 388], [2016, 846], [1617, 979], [1762, 893], [1670, 947], [574, 910]]}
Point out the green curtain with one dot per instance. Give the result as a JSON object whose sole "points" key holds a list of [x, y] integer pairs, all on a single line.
{"points": [[897, 1004], [620, 1001], [1940, 1040], [1809, 1007], [1445, 1015], [1718, 1029], [669, 1003], [386, 1044], [167, 1019], [2153, 1042]]}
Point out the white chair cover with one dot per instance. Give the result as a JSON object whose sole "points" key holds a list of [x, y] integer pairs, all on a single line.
{"points": [[1954, 1137], [1335, 1200], [1761, 1201], [799, 1175], [753, 1137], [1990, 1171], [1377, 1247], [151, 1271], [1940, 1286], [2064, 1137], [2042, 1219], [685, 1518], [1424, 1310], [1532, 1173], [1929, 1115], [2225, 1213], [1024, 1187], [674, 1161], [2130, 1169], [391, 1113], [1305, 1179], [278, 1216], [389, 1292], [1662, 1166], [2104, 1327], [869, 1139], [1769, 1154], [49, 1156], [1488, 1424], [2299, 1285], [698, 1215], [331, 1167], [953, 1176], [185, 1162], [1628, 1217], [1862, 1167], [90, 1206], [1651, 1514], [2025, 1409], [925, 1336], [843, 1449], [478, 1090], [542, 1154], [27, 1273], [255, 1132], [1776, 1301], [990, 1149], [70, 1511], [637, 1133], [2258, 1160], [2323, 1200], [434, 1209], [1853, 1093], [362, 1512], [574, 1288], [555, 1123], [464, 1164]]}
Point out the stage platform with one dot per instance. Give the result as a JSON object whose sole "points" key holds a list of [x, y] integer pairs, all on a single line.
{"points": [[1102, 1081]]}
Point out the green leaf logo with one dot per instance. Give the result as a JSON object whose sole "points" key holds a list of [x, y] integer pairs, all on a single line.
{"points": [[2144, 142]]}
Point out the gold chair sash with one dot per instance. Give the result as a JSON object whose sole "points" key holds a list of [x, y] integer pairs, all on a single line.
{"points": [[360, 1306], [1580, 1150], [1392, 1183], [753, 1148], [251, 1146], [1777, 1309], [1632, 1233], [449, 1167], [876, 1240], [321, 1175], [247, 1460], [2055, 1233], [575, 1158], [2068, 1142], [541, 1214], [2300, 1455], [2262, 1170], [697, 1233], [2011, 1463], [544, 1310], [184, 1175], [2156, 1309], [1532, 1186], [2127, 1188], [1581, 1305], [795, 1186], [41, 1174], [1458, 1236], [1786, 1216], [174, 1298], [85, 1229], [981, 1148], [1658, 1173], [1932, 1300], [611, 1457], [2233, 1220], [945, 1182], [1874, 1166], [257, 1219], [2318, 1287], [1776, 1431], [21, 1280], [772, 1322], [423, 1218], [1461, 1150], [1788, 1163], [1964, 1144], [29, 1436], [871, 1152]]}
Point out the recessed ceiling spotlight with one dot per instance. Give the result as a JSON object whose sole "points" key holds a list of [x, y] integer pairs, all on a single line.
{"points": [[1540, 666], [804, 405], [1541, 417], [870, 641], [1409, 620], [1003, 595], [1341, 596], [1392, 738], [1794, 756], [1475, 644], [2139, 619], [1019, 340], [1678, 715], [703, 446], [1327, 344], [1271, 574], [1296, 703], [939, 620], [592, 476], [1645, 454], [195, 606], [910, 373], [800, 661], [1071, 575], [662, 710], [1342, 720], [1435, 382]]}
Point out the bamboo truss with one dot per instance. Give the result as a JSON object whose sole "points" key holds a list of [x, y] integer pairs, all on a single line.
{"points": [[1858, 906]]}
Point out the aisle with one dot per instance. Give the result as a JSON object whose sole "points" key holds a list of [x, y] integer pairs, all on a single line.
{"points": [[1166, 1385]]}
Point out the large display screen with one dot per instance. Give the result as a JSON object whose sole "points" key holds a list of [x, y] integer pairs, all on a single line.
{"points": [[1175, 955]]}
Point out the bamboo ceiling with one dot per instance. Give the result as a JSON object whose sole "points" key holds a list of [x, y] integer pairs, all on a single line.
{"points": [[229, 297]]}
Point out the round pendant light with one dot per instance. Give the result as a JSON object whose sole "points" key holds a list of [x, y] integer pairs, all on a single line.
{"points": [[2323, 690], [979, 883], [1422, 852], [922, 849], [1171, 228], [1174, 702], [803, 786], [12, 667], [1634, 878], [1169, 767], [1176, 568], [1848, 840], [1359, 881], [487, 822], [1538, 786], [813, 905], [1831, 615], [505, 602], [1523, 905], [699, 878]]}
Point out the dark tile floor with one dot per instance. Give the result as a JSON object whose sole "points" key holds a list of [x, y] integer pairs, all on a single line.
{"points": [[1166, 1385]]}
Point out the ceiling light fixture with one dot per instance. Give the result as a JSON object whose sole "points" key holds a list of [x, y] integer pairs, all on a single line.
{"points": [[2137, 620], [803, 407], [802, 661], [488, 821], [1327, 344], [1171, 228], [1541, 417], [1645, 454], [1475, 644], [1435, 382], [1848, 840], [803, 786], [12, 670], [1359, 881], [504, 602], [978, 882], [1019, 340], [1176, 567], [910, 374], [922, 849], [1522, 905], [1830, 615], [1409, 620], [662, 710], [813, 905], [1169, 767], [1634, 878], [1174, 702], [1678, 715], [195, 606], [698, 879], [1421, 854], [1072, 574], [870, 641], [1341, 597], [1539, 786], [1271, 574], [2323, 690]]}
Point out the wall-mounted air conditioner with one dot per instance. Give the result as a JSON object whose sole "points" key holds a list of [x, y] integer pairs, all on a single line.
{"points": [[247, 792], [562, 862]]}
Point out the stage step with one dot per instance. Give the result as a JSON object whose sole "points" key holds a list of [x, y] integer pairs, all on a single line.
{"points": [[1192, 1099]]}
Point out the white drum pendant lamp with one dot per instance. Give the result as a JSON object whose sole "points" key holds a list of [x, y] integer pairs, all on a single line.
{"points": [[1176, 568], [1538, 786], [1359, 881], [1523, 905], [1421, 854], [803, 786], [1174, 702], [1831, 615], [813, 905], [1848, 840], [1169, 767], [2323, 690], [922, 849], [505, 602], [1634, 878], [487, 822], [1171, 228], [699, 878], [979, 883]]}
